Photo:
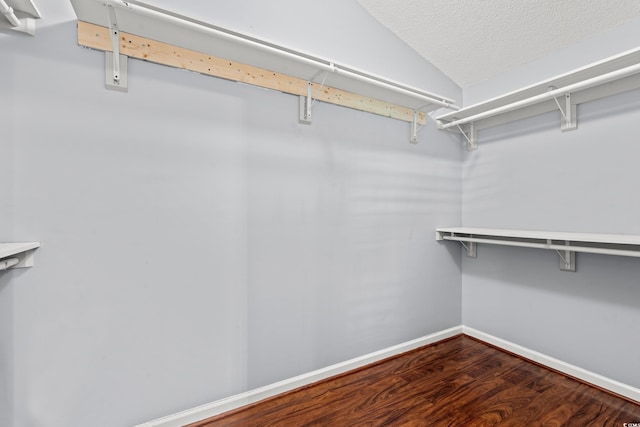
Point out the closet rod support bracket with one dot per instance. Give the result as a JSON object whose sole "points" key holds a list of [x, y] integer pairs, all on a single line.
{"points": [[122, 84], [415, 128], [304, 106], [471, 135], [472, 249], [27, 26], [568, 119], [567, 259], [115, 63], [21, 260]]}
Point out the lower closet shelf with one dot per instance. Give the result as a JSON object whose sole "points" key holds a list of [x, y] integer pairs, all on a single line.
{"points": [[565, 244]]}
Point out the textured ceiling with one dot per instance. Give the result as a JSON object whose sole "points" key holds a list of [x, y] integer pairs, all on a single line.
{"points": [[473, 40]]}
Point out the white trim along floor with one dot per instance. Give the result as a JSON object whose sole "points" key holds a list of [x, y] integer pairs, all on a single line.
{"points": [[214, 408]]}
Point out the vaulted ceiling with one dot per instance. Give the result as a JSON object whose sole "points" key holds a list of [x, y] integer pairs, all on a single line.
{"points": [[473, 40]]}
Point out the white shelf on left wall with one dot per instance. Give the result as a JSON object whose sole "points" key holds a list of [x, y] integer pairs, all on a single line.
{"points": [[17, 255]]}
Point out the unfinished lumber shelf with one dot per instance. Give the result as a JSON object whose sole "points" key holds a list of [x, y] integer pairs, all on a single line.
{"points": [[134, 29]]}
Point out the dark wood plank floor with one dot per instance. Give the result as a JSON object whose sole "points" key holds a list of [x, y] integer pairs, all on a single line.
{"points": [[459, 382]]}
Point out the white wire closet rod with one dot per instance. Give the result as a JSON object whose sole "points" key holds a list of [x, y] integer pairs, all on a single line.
{"points": [[553, 93], [565, 244], [9, 13], [612, 75], [138, 18]]}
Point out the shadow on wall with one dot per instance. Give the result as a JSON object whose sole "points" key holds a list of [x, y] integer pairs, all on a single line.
{"points": [[608, 107], [49, 42], [602, 278], [262, 206], [356, 215], [6, 351], [520, 128], [601, 109]]}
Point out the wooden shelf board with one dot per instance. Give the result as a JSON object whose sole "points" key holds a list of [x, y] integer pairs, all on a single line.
{"points": [[161, 36], [97, 37]]}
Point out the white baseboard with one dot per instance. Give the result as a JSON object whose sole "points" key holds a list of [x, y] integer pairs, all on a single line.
{"points": [[233, 402], [558, 365], [215, 408]]}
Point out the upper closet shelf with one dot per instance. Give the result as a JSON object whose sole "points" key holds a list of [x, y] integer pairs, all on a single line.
{"points": [[565, 244], [17, 255], [19, 15], [146, 32], [613, 75]]}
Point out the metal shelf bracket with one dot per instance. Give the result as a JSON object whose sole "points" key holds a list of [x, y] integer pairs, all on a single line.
{"points": [[304, 110], [415, 128], [567, 260], [17, 255], [471, 136], [22, 260], [115, 64], [569, 120], [472, 249]]}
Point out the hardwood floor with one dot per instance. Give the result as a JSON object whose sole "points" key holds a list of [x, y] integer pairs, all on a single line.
{"points": [[458, 382]]}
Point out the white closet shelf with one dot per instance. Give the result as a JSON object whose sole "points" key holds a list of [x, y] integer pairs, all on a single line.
{"points": [[163, 26], [616, 74], [17, 255], [19, 15], [565, 244]]}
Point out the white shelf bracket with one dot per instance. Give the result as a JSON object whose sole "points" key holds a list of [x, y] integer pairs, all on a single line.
{"points": [[568, 112], [121, 85], [27, 25], [415, 128], [8, 263], [306, 102], [115, 64], [471, 136], [567, 259], [22, 259], [472, 249], [305, 106]]}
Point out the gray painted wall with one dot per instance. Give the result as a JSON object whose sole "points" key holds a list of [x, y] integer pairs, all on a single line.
{"points": [[529, 175], [196, 240], [7, 135]]}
